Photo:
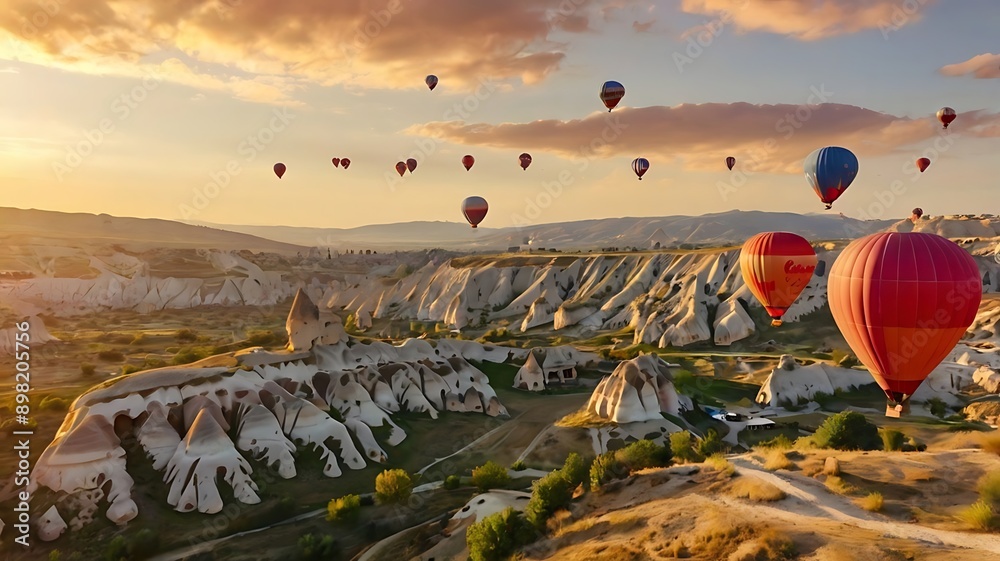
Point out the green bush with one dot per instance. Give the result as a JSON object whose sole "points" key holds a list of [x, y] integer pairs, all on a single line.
{"points": [[54, 403], [452, 482], [55, 555], [145, 544], [186, 335], [490, 475], [344, 509], [393, 486], [604, 469], [111, 356], [518, 466], [130, 369], [848, 430], [712, 444], [497, 536], [311, 548], [892, 440], [117, 549], [548, 494], [682, 447], [87, 369], [575, 468], [989, 487], [937, 407], [781, 442], [643, 454]]}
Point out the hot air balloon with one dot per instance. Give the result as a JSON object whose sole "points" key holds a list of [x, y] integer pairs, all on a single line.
{"points": [[467, 161], [411, 164], [345, 163], [830, 172], [431, 81], [916, 214], [946, 115], [902, 302], [474, 209], [922, 164], [279, 169], [611, 93], [639, 166], [336, 162], [776, 267], [401, 168], [525, 160], [730, 162]]}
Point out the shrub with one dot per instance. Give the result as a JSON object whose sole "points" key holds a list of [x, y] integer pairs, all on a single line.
{"points": [[344, 509], [644, 454], [393, 486], [990, 442], [781, 442], [776, 458], [575, 468], [55, 555], [111, 356], [495, 537], [452, 482], [130, 369], [311, 548], [117, 549], [490, 475], [873, 502], [548, 495], [603, 469], [87, 369], [836, 484], [756, 490], [989, 487], [848, 430], [682, 447], [979, 515], [54, 403], [144, 544], [518, 466], [138, 339], [186, 335], [937, 407], [721, 465], [711, 444], [892, 440]]}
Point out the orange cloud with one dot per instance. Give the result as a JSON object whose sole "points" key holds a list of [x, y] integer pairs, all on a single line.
{"points": [[981, 66], [810, 20], [775, 137], [368, 43]]}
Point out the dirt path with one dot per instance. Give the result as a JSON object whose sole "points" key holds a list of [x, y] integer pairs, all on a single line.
{"points": [[815, 501]]}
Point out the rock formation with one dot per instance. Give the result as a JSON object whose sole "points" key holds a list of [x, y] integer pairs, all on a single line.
{"points": [[640, 389]]}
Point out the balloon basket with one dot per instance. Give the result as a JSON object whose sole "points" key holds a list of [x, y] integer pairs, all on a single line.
{"points": [[897, 410], [775, 323]]}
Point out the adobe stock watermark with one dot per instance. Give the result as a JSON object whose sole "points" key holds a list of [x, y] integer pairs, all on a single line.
{"points": [[706, 35], [901, 15], [249, 148], [122, 107], [552, 190], [373, 26], [459, 111], [787, 125]]}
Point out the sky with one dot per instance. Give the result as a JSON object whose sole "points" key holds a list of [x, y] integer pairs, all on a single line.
{"points": [[180, 109]]}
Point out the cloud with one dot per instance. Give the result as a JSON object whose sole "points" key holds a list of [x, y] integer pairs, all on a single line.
{"points": [[980, 66], [371, 43], [10, 70], [808, 20], [775, 137]]}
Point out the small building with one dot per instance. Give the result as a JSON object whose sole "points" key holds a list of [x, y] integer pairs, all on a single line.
{"points": [[546, 367]]}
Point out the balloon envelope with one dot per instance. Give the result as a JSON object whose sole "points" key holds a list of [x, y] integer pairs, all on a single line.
{"points": [[639, 166], [467, 161], [400, 168], [344, 163], [474, 209], [776, 267], [830, 172], [431, 81], [411, 164], [918, 212], [902, 302], [525, 160], [336, 162], [279, 169], [730, 161], [611, 93], [946, 115], [922, 164]]}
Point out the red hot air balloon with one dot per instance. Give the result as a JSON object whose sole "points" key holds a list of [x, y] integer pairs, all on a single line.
{"points": [[345, 163], [730, 162], [916, 214], [411, 164], [467, 161], [279, 169], [401, 168], [640, 166], [611, 93], [474, 209], [525, 160], [922, 164], [431, 81], [946, 115], [336, 162], [777, 266], [902, 302]]}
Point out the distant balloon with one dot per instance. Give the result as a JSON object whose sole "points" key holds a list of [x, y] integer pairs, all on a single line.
{"points": [[830, 172], [344, 163], [401, 168], [903, 300], [336, 162], [411, 164], [916, 214], [922, 164], [639, 166], [776, 267], [474, 209], [525, 160], [730, 162], [467, 161], [431, 81], [946, 115], [611, 93], [279, 169]]}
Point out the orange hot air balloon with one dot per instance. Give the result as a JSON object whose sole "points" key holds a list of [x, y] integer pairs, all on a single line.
{"points": [[279, 169], [922, 164], [902, 302], [777, 266], [467, 161], [336, 162], [401, 168]]}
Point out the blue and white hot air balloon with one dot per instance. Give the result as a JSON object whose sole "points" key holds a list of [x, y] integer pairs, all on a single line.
{"points": [[830, 172], [639, 166]]}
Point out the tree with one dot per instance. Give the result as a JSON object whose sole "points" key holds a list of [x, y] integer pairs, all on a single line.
{"points": [[452, 482], [393, 486], [682, 447], [344, 509], [711, 444], [575, 469], [495, 537], [548, 495], [848, 430], [490, 475]]}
